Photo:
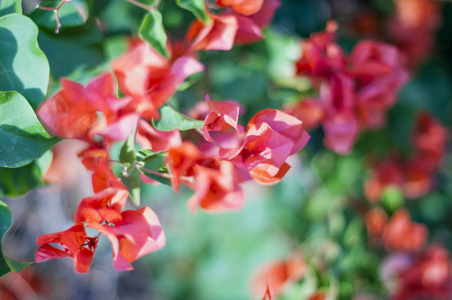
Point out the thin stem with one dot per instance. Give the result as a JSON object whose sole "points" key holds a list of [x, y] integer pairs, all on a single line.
{"points": [[164, 175], [135, 130], [56, 10], [141, 5]]}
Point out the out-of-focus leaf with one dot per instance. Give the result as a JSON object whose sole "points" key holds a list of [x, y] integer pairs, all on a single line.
{"points": [[392, 198], [127, 154], [154, 162], [197, 7], [23, 66], [7, 264], [171, 119], [153, 32], [10, 6], [71, 51], [22, 137], [18, 181], [72, 14], [133, 184]]}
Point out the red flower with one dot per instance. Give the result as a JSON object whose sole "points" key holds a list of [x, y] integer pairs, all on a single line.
{"points": [[402, 234], [180, 159], [243, 7], [150, 79], [268, 293], [430, 139], [216, 187], [103, 178], [135, 234], [310, 112], [218, 34], [384, 174], [279, 274], [103, 206], [70, 112], [322, 57], [427, 277], [376, 220], [76, 245]]}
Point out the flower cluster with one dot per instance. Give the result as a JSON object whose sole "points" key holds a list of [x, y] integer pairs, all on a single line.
{"points": [[355, 91], [414, 174], [224, 157], [238, 23]]}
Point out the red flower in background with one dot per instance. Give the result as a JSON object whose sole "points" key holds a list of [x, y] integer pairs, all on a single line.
{"points": [[414, 175], [278, 275], [355, 91], [427, 276], [403, 235], [75, 242]]}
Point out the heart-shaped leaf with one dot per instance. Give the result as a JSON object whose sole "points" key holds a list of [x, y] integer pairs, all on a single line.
{"points": [[10, 6], [197, 7], [153, 32], [171, 119], [22, 137], [23, 66], [7, 264]]}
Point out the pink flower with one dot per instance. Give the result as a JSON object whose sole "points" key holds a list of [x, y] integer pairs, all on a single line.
{"points": [[223, 115], [73, 111], [271, 137], [135, 234]]}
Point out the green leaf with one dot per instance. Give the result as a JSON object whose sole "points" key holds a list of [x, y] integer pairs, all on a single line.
{"points": [[133, 183], [7, 264], [171, 119], [143, 153], [154, 162], [197, 7], [127, 154], [153, 32], [18, 181], [72, 14], [22, 137], [392, 198], [23, 66], [10, 6]]}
